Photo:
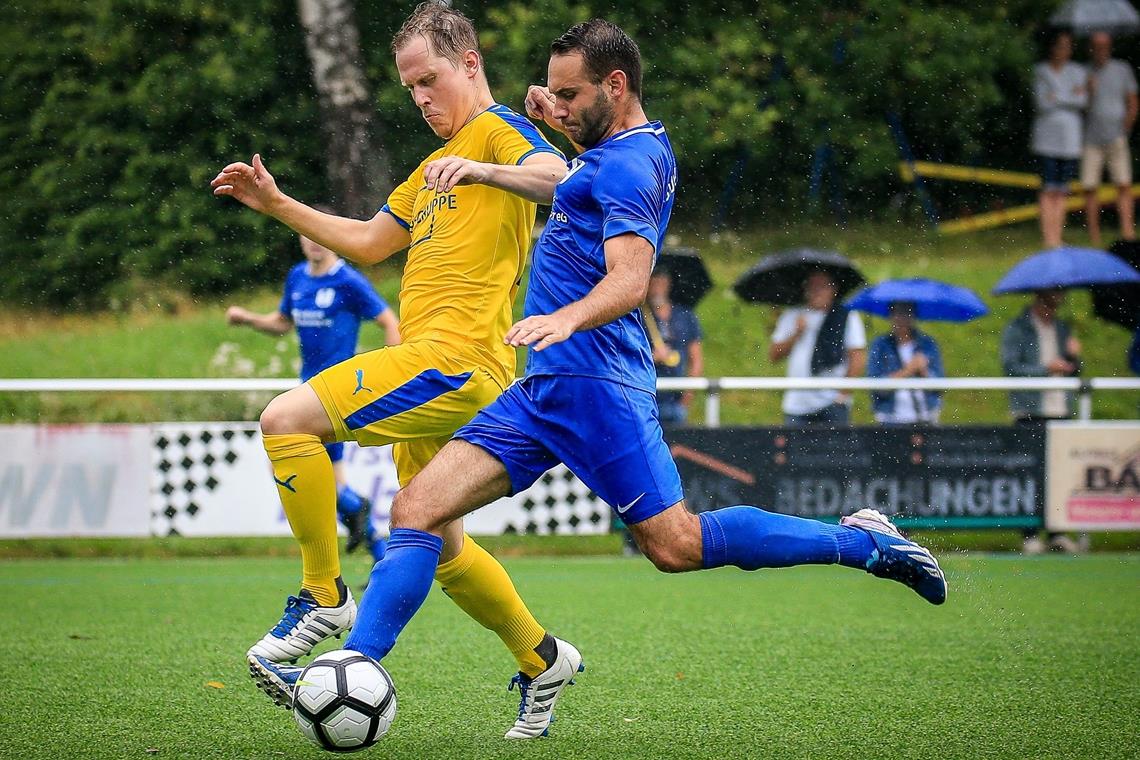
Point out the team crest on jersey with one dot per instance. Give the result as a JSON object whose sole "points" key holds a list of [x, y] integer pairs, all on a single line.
{"points": [[325, 297]]}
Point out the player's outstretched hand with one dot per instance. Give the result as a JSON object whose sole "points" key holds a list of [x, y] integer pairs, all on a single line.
{"points": [[539, 331], [252, 185], [445, 173], [236, 315]]}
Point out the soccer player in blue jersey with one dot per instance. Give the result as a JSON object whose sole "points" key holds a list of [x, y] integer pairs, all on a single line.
{"points": [[587, 398], [326, 299]]}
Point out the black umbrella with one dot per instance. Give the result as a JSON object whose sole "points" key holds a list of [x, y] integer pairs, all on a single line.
{"points": [[779, 278], [1120, 303], [1117, 17], [690, 278]]}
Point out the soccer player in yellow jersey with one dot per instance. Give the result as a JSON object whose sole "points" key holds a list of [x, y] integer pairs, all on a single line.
{"points": [[465, 215]]}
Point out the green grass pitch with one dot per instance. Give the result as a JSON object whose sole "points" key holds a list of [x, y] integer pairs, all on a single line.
{"points": [[114, 658]]}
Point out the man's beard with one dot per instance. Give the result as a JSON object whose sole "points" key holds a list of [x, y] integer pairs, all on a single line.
{"points": [[595, 121]]}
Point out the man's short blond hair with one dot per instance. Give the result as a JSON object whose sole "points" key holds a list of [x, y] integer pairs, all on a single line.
{"points": [[448, 32]]}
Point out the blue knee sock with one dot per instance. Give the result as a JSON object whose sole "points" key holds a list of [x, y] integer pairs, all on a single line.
{"points": [[379, 545], [348, 501], [397, 587], [751, 538]]}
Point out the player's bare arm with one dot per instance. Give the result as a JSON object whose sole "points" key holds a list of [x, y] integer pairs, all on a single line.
{"points": [[274, 322], [391, 327], [629, 262], [540, 105], [363, 242], [533, 179]]}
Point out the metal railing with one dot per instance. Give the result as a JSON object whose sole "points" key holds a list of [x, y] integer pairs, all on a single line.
{"points": [[712, 387]]}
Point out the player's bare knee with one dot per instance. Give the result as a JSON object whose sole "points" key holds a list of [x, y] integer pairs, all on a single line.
{"points": [[275, 419], [407, 512]]}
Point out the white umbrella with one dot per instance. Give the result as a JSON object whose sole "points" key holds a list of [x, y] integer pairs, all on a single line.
{"points": [[1117, 17]]}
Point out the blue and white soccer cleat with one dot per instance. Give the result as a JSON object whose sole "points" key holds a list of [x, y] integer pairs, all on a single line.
{"points": [[303, 625], [898, 559], [538, 695], [276, 680]]}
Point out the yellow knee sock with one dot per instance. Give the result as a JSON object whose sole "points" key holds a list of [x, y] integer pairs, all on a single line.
{"points": [[481, 587], [304, 476]]}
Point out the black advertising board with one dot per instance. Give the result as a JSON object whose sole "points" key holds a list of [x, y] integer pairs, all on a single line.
{"points": [[944, 477]]}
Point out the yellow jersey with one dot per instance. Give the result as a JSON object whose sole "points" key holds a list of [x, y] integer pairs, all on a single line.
{"points": [[468, 246]]}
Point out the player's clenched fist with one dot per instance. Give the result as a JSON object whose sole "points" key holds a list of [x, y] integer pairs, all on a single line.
{"points": [[252, 185], [445, 173], [539, 331]]}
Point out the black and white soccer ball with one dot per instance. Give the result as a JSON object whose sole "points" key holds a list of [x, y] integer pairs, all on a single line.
{"points": [[344, 701]]}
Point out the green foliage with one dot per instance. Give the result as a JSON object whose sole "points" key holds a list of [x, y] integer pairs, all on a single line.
{"points": [[118, 112], [123, 111]]}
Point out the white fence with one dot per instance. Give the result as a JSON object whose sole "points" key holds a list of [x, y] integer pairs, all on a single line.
{"points": [[710, 386]]}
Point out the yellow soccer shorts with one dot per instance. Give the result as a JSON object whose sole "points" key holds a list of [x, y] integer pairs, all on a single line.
{"points": [[414, 395]]}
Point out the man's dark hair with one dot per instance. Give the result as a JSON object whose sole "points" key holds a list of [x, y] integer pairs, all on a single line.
{"points": [[604, 48], [449, 33]]}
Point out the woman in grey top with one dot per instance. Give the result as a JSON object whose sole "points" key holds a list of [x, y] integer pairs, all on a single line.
{"points": [[1060, 92]]}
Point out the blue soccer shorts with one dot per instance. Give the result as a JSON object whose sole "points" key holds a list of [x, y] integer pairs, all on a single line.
{"points": [[607, 433]]}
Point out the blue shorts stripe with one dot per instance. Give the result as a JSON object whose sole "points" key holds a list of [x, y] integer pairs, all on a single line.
{"points": [[421, 389]]}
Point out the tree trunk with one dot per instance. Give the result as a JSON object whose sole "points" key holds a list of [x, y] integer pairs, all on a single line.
{"points": [[358, 169]]}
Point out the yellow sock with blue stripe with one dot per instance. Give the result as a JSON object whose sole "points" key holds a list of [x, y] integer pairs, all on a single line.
{"points": [[305, 481], [481, 587]]}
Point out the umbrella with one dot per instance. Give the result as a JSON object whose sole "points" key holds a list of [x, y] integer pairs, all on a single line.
{"points": [[690, 278], [1066, 268], [1117, 17], [779, 278], [1120, 303], [933, 300]]}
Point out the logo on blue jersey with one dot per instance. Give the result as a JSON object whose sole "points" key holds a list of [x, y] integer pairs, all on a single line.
{"points": [[575, 165], [325, 297], [360, 383]]}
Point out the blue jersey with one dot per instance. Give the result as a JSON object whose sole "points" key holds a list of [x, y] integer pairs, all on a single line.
{"points": [[327, 311], [624, 184]]}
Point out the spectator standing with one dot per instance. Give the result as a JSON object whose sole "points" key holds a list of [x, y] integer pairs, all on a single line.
{"points": [[1038, 344], [905, 352], [1109, 122], [823, 338], [1060, 92], [677, 349]]}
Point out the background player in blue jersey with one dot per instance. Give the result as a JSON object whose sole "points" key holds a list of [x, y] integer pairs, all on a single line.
{"points": [[325, 299], [587, 398]]}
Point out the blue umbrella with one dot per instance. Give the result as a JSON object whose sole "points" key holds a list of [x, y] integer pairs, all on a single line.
{"points": [[1066, 268], [933, 300], [1117, 17]]}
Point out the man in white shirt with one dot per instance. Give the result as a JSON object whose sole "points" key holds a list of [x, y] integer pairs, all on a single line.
{"points": [[819, 339], [1110, 118]]}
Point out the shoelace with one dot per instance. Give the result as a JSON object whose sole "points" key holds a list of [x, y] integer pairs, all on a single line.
{"points": [[295, 609], [524, 684]]}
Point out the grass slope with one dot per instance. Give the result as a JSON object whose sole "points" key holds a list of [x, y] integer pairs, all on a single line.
{"points": [[190, 343], [1030, 658]]}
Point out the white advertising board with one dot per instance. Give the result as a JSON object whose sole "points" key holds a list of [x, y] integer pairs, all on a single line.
{"points": [[74, 480], [1092, 476]]}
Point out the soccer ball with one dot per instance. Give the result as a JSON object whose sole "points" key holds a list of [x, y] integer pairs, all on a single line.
{"points": [[344, 701]]}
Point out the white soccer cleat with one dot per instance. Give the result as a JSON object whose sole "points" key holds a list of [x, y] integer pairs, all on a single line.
{"points": [[303, 625], [898, 559], [538, 695]]}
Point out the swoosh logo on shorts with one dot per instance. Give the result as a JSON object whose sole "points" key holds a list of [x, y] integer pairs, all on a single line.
{"points": [[622, 510]]}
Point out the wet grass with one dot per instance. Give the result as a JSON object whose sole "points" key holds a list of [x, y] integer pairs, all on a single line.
{"points": [[142, 657]]}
